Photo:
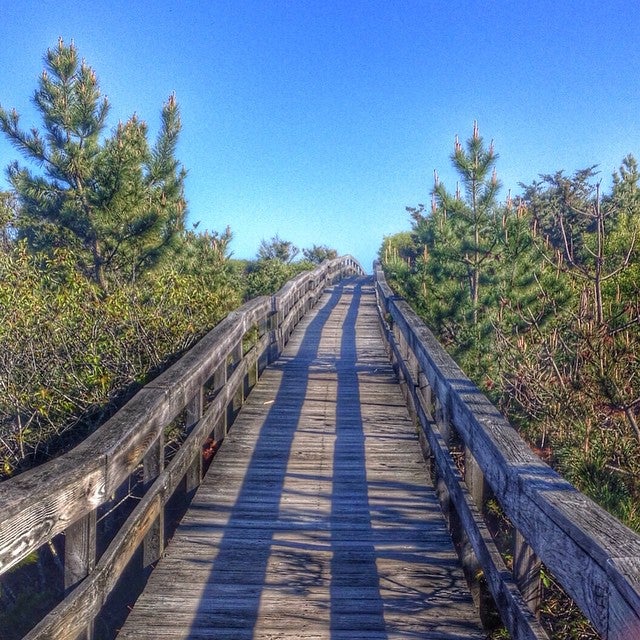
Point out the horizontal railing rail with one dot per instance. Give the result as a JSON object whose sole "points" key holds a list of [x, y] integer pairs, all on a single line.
{"points": [[594, 557], [202, 391]]}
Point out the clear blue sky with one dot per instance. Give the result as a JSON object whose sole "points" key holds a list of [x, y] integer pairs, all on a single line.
{"points": [[321, 120]]}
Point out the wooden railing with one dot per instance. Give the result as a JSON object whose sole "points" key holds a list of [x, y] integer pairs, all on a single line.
{"points": [[591, 554], [201, 392]]}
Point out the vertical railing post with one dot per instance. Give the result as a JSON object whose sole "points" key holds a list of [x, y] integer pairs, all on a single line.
{"points": [[253, 373], [299, 305], [153, 465], [264, 356], [412, 382], [237, 400], [477, 487], [441, 416], [79, 550], [474, 479], [279, 330], [413, 366], [219, 381], [424, 389], [387, 326], [527, 572], [402, 361], [442, 419], [397, 355], [80, 557], [424, 392], [272, 328], [193, 414]]}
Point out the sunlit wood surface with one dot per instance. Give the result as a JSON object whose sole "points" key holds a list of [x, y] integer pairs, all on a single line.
{"points": [[317, 518]]}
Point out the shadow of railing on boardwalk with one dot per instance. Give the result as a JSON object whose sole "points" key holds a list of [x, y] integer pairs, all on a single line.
{"points": [[277, 430]]}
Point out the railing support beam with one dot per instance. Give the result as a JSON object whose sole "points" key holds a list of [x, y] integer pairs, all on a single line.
{"points": [[152, 467], [193, 415], [80, 557], [527, 573]]}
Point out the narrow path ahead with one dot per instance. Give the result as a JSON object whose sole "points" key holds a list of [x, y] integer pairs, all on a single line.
{"points": [[317, 519]]}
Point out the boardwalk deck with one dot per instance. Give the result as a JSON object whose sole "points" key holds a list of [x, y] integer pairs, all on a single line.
{"points": [[317, 519]]}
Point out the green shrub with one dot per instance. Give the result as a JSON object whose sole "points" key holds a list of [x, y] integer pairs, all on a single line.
{"points": [[69, 355]]}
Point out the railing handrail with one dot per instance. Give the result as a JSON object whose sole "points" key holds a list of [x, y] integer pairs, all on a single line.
{"points": [[63, 494], [591, 554]]}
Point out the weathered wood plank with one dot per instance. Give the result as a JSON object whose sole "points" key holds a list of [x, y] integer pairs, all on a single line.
{"points": [[317, 519], [85, 602], [79, 550]]}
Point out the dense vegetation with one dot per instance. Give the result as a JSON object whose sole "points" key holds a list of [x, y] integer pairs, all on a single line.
{"points": [[538, 298], [101, 284]]}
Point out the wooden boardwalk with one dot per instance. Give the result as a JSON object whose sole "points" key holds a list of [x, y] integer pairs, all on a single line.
{"points": [[317, 519]]}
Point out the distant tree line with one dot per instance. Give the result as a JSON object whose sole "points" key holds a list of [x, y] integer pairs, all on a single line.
{"points": [[538, 298]]}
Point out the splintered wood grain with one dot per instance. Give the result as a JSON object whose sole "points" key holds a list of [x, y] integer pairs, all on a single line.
{"points": [[317, 519]]}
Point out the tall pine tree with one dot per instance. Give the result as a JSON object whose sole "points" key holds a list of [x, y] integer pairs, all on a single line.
{"points": [[474, 216], [114, 200], [460, 233]]}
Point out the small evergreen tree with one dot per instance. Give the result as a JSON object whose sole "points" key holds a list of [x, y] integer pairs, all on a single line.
{"points": [[457, 259], [117, 202], [277, 249], [317, 254], [467, 241]]}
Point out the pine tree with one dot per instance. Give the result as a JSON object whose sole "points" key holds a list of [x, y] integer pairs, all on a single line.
{"points": [[472, 219], [277, 249], [317, 254], [117, 202], [592, 242], [460, 233]]}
